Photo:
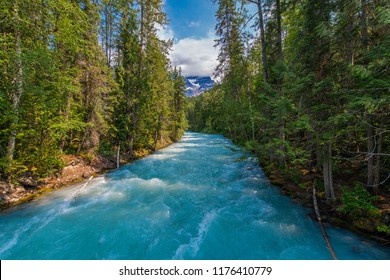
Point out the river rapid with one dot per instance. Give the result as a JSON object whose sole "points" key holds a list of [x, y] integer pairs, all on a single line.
{"points": [[200, 198]]}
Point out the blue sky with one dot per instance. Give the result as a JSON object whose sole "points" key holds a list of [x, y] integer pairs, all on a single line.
{"points": [[191, 18], [192, 24]]}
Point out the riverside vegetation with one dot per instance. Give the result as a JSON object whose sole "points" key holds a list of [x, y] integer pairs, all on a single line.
{"points": [[201, 198], [309, 94], [84, 78]]}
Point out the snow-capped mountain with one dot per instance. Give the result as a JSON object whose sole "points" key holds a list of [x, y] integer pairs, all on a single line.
{"points": [[196, 85]]}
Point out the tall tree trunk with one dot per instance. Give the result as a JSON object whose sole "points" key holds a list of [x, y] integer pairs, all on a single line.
{"points": [[131, 146], [175, 133], [66, 116], [279, 30], [377, 167], [18, 81], [106, 44], [157, 134], [262, 38], [142, 40], [263, 43], [371, 138], [282, 129], [327, 171], [118, 153], [110, 19], [155, 140], [363, 15], [279, 43], [134, 120], [370, 153], [176, 102], [350, 31], [310, 151]]}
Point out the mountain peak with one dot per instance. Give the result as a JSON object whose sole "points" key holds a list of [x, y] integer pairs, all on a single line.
{"points": [[196, 85]]}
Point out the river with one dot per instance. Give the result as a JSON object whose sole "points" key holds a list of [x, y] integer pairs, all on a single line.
{"points": [[200, 198]]}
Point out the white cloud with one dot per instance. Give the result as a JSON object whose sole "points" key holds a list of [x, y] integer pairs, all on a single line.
{"points": [[195, 56], [194, 24], [164, 33]]}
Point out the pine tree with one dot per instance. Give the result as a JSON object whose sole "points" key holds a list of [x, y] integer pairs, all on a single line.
{"points": [[260, 14], [178, 104], [95, 83], [126, 74]]}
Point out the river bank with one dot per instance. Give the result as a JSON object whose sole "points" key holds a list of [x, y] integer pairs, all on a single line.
{"points": [[27, 187], [184, 202], [76, 170], [371, 222]]}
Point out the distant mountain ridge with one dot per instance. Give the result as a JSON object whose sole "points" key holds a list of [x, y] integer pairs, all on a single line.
{"points": [[196, 85]]}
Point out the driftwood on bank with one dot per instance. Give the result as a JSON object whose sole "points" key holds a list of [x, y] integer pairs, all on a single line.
{"points": [[118, 156], [323, 231]]}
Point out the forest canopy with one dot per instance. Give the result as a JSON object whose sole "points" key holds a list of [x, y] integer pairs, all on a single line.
{"points": [[87, 78], [305, 85]]}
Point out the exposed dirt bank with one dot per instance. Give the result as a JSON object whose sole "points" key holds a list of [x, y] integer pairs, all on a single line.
{"points": [[27, 187], [76, 169]]}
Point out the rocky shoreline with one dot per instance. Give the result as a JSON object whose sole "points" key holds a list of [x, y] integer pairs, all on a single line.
{"points": [[27, 187], [76, 170]]}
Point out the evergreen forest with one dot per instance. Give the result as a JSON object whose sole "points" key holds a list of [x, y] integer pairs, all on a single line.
{"points": [[86, 78], [305, 85]]}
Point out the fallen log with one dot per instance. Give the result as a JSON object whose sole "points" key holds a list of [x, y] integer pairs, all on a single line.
{"points": [[323, 231]]}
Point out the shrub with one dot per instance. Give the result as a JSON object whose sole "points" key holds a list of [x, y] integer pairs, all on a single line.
{"points": [[358, 201]]}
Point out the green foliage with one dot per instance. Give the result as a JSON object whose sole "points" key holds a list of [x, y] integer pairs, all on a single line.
{"points": [[357, 202], [302, 123], [60, 94], [15, 169], [360, 71], [383, 228], [253, 146], [383, 15], [323, 107]]}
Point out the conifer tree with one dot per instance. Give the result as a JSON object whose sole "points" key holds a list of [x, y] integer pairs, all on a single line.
{"points": [[62, 92]]}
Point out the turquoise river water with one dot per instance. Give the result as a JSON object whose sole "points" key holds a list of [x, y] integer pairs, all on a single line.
{"points": [[200, 198]]}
